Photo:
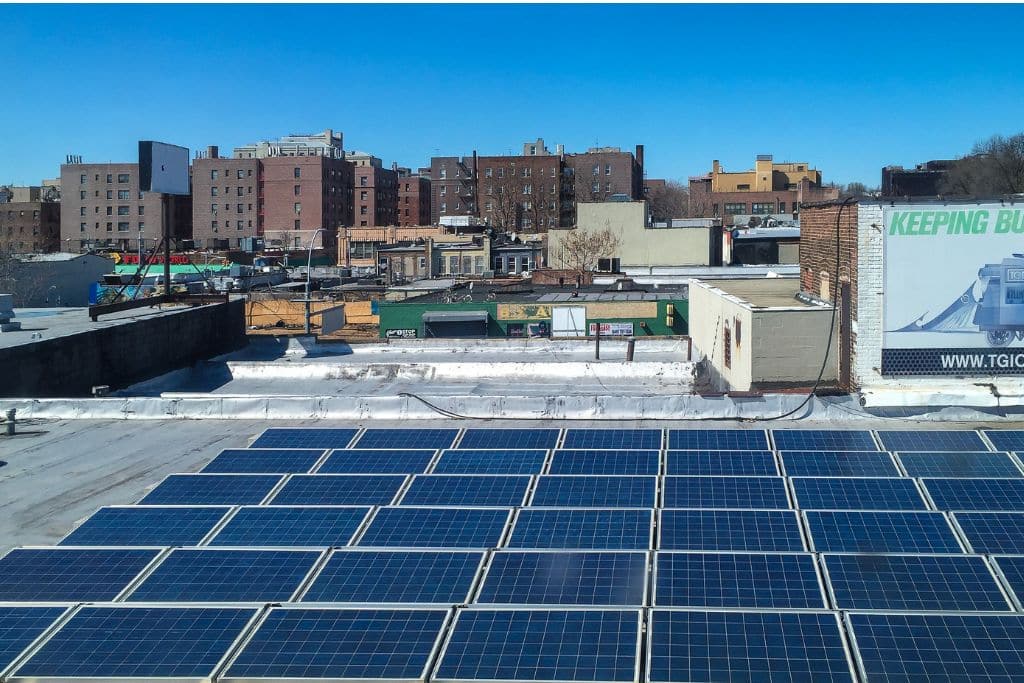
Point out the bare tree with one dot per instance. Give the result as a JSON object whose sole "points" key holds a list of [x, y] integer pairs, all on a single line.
{"points": [[857, 189], [501, 192], [580, 249], [994, 167], [672, 200]]}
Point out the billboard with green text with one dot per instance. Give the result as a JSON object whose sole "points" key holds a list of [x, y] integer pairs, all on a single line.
{"points": [[954, 290]]}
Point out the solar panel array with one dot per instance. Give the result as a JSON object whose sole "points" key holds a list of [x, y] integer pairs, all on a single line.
{"points": [[529, 555]]}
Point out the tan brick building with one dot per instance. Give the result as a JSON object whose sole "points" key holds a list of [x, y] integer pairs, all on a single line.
{"points": [[30, 227], [225, 200]]}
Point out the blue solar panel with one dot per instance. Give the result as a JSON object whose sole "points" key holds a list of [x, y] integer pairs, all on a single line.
{"points": [[591, 491], [399, 576], [340, 645], [70, 574], [606, 462], [737, 580], [976, 494], [992, 532], [611, 439], [958, 464], [939, 647], [291, 526], [718, 439], [212, 489], [517, 461], [725, 492], [380, 461], [580, 528], [304, 438], [467, 489], [857, 493], [188, 575], [734, 463], [752, 530], [914, 583], [823, 440], [339, 489], [152, 526], [1012, 569], [542, 645], [838, 464], [139, 643], [411, 527], [1006, 439], [264, 460], [565, 578], [509, 438], [931, 440], [407, 438], [746, 646], [20, 626], [880, 532]]}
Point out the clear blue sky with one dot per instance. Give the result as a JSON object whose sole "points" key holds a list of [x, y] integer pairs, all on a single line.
{"points": [[846, 88]]}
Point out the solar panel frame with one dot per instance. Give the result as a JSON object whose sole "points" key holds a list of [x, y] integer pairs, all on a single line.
{"points": [[746, 463], [610, 462], [480, 439], [440, 675], [123, 567], [443, 490], [487, 461], [765, 523], [316, 489], [839, 464], [415, 438], [296, 461], [823, 440], [548, 491], [371, 533], [181, 571], [977, 541], [224, 531], [555, 567], [315, 591], [919, 628], [1010, 570], [23, 627], [924, 582], [724, 492], [391, 461], [613, 439], [718, 439], [317, 614], [241, 618], [813, 519], [1005, 439], [931, 440], [717, 639], [85, 534], [809, 594], [305, 437], [941, 490], [857, 493], [263, 486], [524, 516], [959, 464]]}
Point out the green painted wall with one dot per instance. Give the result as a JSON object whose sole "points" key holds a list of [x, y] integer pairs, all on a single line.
{"points": [[409, 316]]}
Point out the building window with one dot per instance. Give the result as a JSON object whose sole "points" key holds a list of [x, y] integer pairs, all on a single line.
{"points": [[142, 226], [488, 173], [608, 187], [489, 206], [363, 196], [595, 188], [597, 169], [214, 191], [240, 174], [361, 249], [122, 226], [782, 207], [298, 224], [238, 191], [298, 172], [122, 177], [110, 211], [81, 211], [739, 332], [213, 226], [298, 207], [110, 227], [110, 178], [362, 181], [727, 347], [214, 174], [81, 179], [762, 208], [735, 208], [743, 186], [213, 209], [239, 208], [297, 190], [362, 210], [123, 210], [527, 189], [607, 169], [142, 210], [110, 194], [81, 195], [444, 190], [81, 227], [123, 195]]}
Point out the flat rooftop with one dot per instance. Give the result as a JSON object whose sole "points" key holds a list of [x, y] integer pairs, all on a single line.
{"points": [[38, 324], [764, 292], [526, 291]]}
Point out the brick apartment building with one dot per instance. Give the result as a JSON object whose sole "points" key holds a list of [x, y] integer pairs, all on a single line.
{"points": [[376, 196], [768, 188], [532, 190], [101, 206], [283, 191], [413, 199], [924, 180], [29, 221]]}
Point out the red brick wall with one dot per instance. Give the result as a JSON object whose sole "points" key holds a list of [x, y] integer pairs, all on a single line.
{"points": [[818, 249], [227, 223], [413, 201]]}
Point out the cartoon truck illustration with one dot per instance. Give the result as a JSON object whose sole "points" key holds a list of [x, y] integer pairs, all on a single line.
{"points": [[1000, 313]]}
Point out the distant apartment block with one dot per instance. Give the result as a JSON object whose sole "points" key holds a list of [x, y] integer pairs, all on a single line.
{"points": [[326, 144], [533, 190], [375, 196], [924, 180], [413, 198], [29, 221], [101, 206], [768, 188]]}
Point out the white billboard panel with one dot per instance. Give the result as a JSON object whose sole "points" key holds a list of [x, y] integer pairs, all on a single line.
{"points": [[163, 168]]}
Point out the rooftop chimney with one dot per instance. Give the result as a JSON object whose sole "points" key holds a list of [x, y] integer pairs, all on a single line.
{"points": [[640, 157], [213, 152]]}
